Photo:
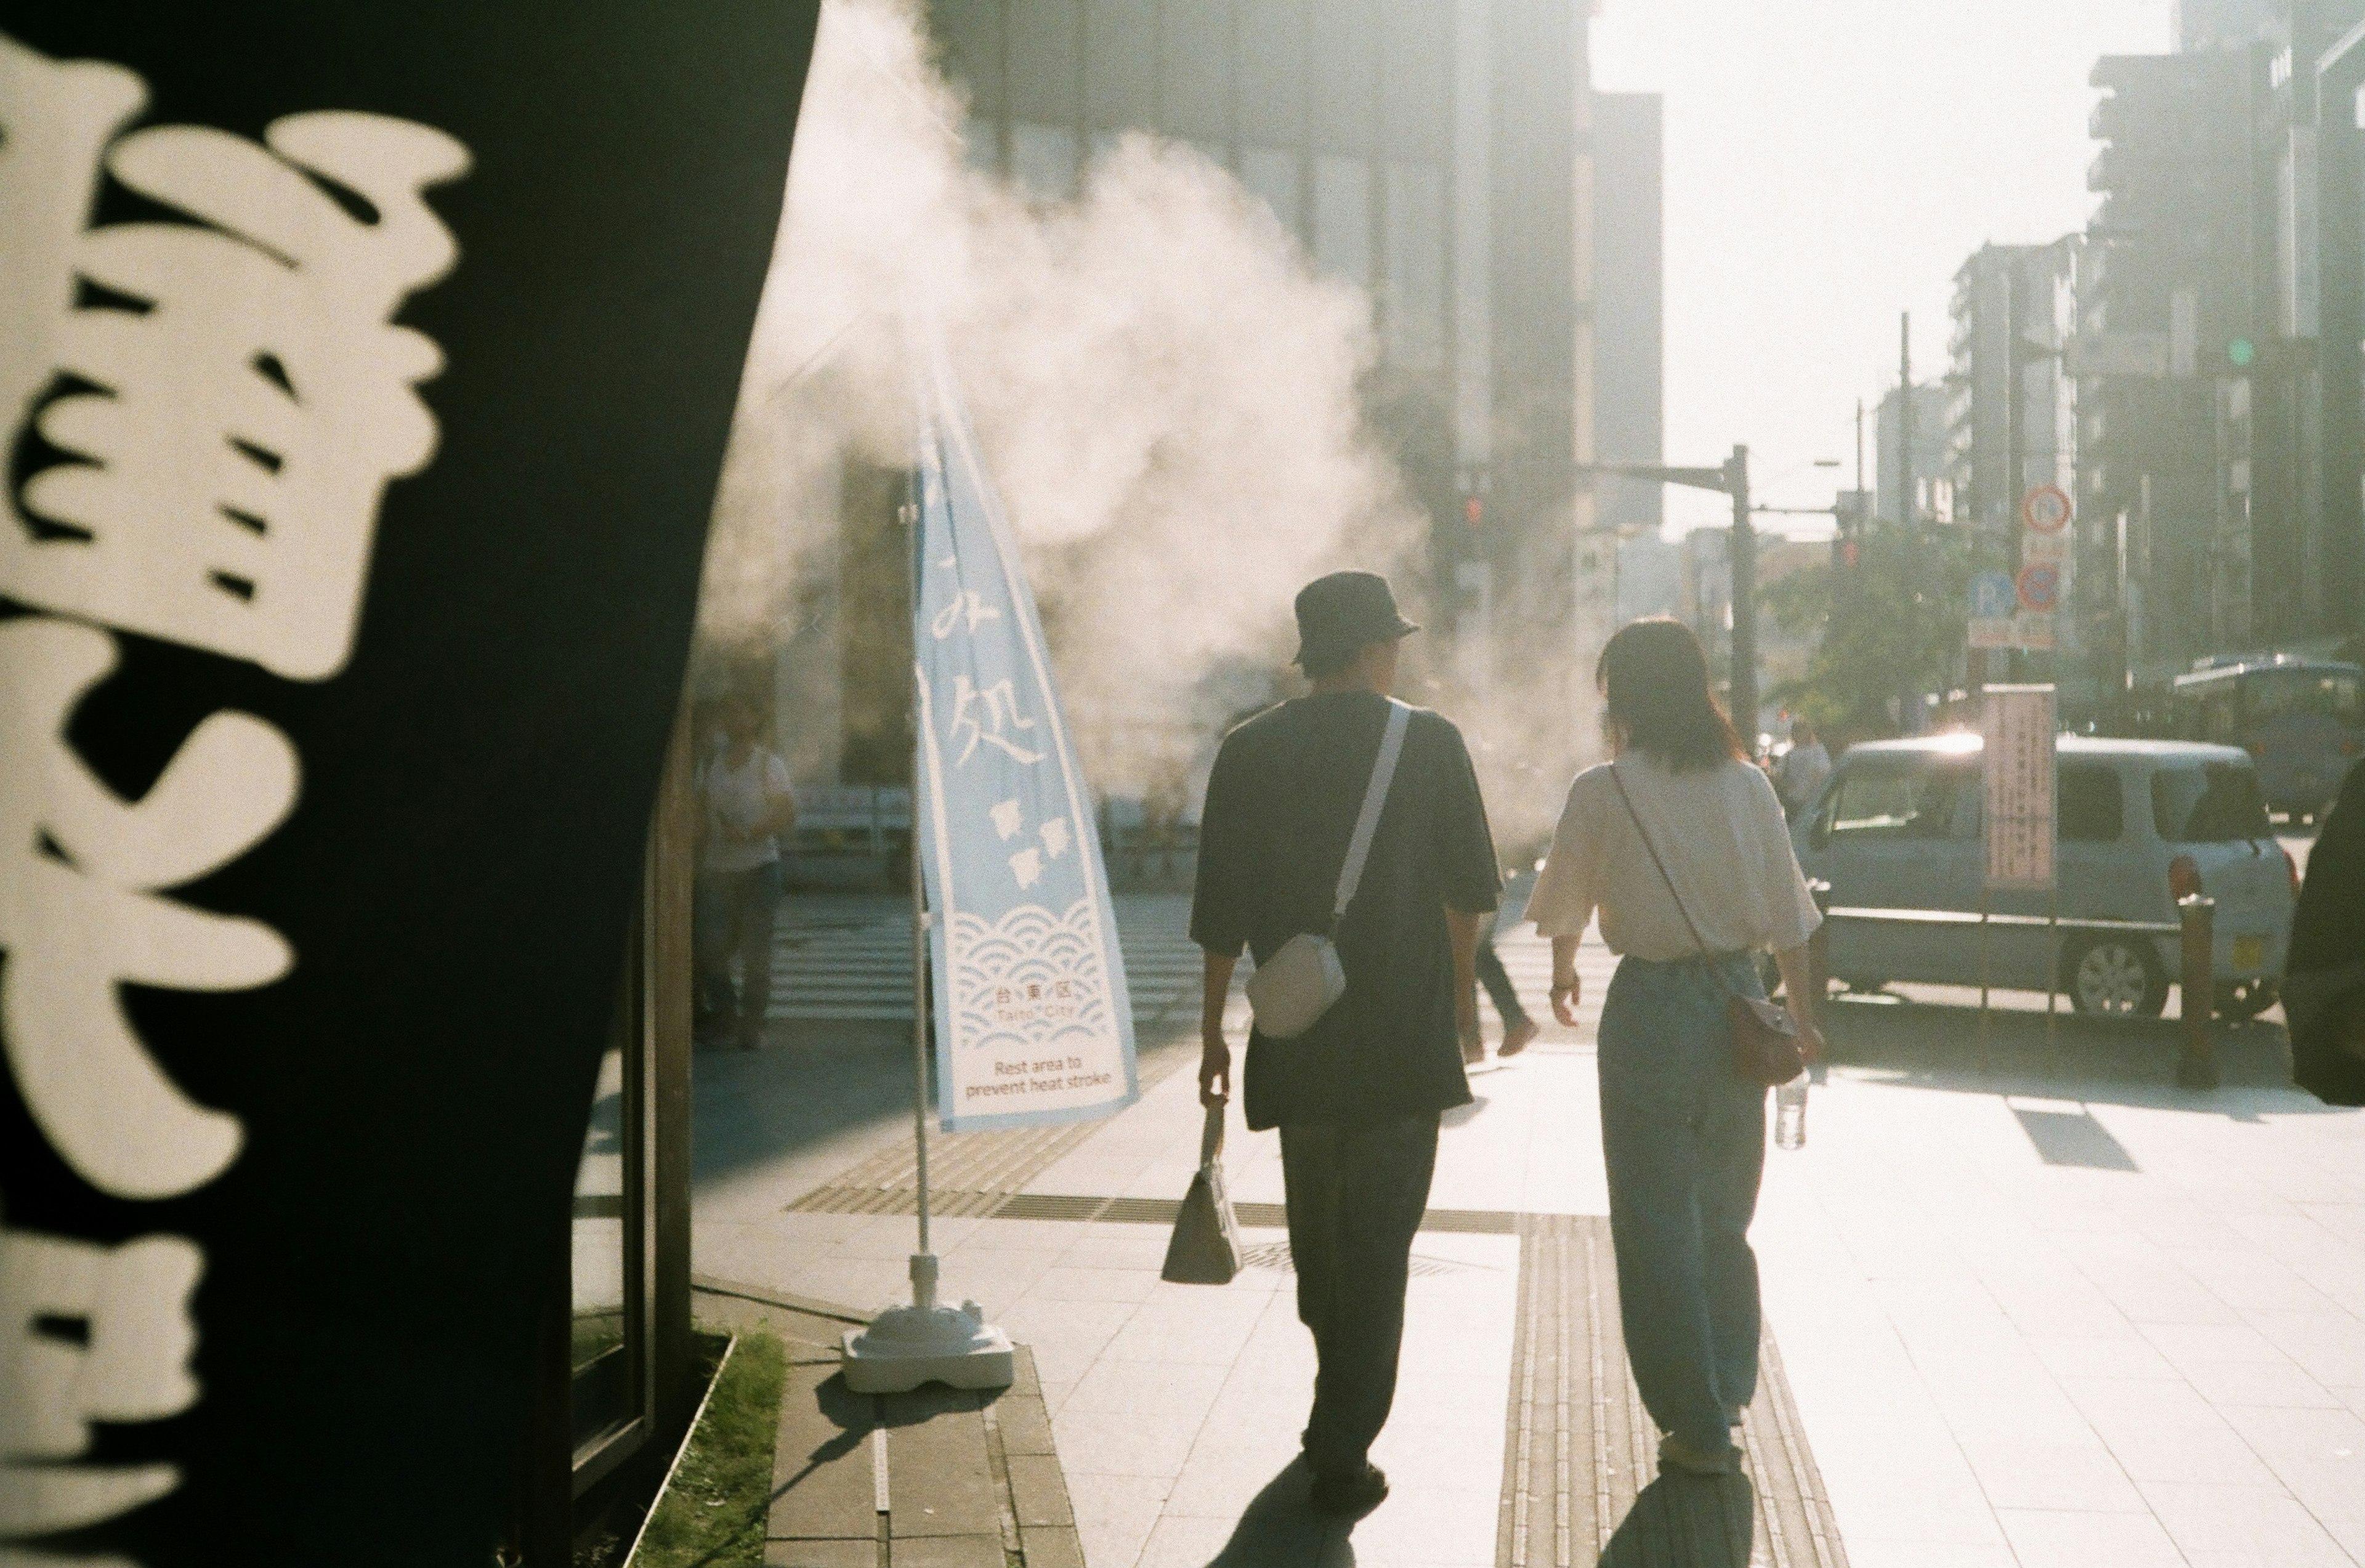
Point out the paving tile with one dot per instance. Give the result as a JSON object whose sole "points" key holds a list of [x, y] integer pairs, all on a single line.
{"points": [[1038, 1491], [1096, 1443], [2130, 1356], [1054, 1547], [2062, 1539], [2166, 1432], [1065, 1283], [1114, 1515], [1885, 1552], [951, 1552], [1171, 1391], [2229, 1524], [2082, 1477], [820, 1554]]}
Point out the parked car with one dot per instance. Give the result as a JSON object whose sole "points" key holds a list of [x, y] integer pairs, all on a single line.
{"points": [[2140, 823]]}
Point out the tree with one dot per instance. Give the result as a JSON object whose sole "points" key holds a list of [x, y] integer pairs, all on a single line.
{"points": [[1886, 628]]}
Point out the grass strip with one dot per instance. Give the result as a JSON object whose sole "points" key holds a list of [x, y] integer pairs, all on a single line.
{"points": [[714, 1514]]}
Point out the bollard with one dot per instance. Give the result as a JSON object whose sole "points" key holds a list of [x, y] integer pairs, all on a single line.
{"points": [[1819, 950], [2197, 1068]]}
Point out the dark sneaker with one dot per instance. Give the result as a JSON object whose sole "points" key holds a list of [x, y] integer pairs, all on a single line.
{"points": [[1351, 1496]]}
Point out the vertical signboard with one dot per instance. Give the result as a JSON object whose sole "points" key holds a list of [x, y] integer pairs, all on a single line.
{"points": [[1032, 1019], [2017, 787], [365, 375]]}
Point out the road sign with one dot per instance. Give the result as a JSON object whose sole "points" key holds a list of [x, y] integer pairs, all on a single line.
{"points": [[1992, 596], [2040, 587], [2033, 630], [2052, 549], [2016, 779], [2046, 510], [1991, 631]]}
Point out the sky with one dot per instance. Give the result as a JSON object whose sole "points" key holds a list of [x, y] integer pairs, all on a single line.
{"points": [[1830, 164]]}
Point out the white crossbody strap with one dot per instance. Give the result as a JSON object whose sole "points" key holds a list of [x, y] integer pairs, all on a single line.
{"points": [[1384, 772]]}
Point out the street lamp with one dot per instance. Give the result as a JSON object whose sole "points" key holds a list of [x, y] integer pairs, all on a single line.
{"points": [[1731, 478]]}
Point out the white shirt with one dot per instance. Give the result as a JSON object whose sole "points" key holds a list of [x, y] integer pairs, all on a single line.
{"points": [[1719, 833], [737, 798]]}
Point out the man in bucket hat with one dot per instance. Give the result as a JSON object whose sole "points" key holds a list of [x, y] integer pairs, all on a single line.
{"points": [[1357, 1096]]}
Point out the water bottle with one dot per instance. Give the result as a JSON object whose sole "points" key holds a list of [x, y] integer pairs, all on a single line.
{"points": [[1790, 1113]]}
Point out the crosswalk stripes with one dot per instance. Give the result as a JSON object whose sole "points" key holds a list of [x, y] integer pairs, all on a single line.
{"points": [[827, 971]]}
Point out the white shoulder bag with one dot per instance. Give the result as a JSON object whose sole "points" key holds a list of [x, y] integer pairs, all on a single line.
{"points": [[1305, 980]]}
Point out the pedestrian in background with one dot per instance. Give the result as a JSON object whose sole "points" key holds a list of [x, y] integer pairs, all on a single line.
{"points": [[1805, 769], [1518, 1030], [1357, 1096], [1679, 843], [745, 804]]}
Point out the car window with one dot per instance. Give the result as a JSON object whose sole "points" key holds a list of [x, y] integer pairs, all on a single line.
{"points": [[2214, 802], [2091, 808], [1904, 802]]}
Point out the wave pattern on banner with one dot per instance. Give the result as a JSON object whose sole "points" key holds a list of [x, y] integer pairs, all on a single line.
{"points": [[1030, 978]]}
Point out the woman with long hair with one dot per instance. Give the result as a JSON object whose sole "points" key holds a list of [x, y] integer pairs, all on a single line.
{"points": [[1679, 844]]}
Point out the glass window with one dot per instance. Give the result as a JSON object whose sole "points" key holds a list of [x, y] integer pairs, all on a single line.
{"points": [[972, 39], [1272, 71], [1342, 218], [605, 1392], [2090, 806], [2217, 803], [1413, 314], [1043, 59], [1120, 65], [1194, 85], [1346, 77], [1418, 66], [1043, 159], [1906, 803], [1271, 174], [2270, 694]]}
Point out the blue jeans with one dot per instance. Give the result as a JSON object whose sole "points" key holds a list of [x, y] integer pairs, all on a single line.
{"points": [[1684, 1138]]}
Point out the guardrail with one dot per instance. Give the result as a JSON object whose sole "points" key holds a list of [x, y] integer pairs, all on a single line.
{"points": [[2196, 1065]]}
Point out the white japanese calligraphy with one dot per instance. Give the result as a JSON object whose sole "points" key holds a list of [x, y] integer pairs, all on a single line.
{"points": [[129, 1307], [1027, 866], [79, 918], [1054, 837], [966, 605], [1009, 820], [984, 717], [252, 397]]}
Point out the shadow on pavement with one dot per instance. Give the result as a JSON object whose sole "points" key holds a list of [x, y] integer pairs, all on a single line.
{"points": [[812, 1083], [1681, 1521], [2095, 1061], [1279, 1530], [2068, 1137]]}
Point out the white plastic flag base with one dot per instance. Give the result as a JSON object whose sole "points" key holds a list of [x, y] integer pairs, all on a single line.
{"points": [[907, 1346]]}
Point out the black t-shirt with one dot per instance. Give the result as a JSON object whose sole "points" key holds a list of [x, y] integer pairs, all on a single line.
{"points": [[1280, 807]]}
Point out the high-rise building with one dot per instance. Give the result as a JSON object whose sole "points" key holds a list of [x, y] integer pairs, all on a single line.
{"points": [[2012, 316], [1933, 490], [1629, 355], [2172, 258], [2197, 26]]}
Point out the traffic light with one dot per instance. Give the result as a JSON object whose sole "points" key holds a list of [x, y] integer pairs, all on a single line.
{"points": [[2241, 354]]}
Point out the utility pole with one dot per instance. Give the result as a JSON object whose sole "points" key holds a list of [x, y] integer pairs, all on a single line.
{"points": [[1905, 418], [1745, 599], [1731, 478]]}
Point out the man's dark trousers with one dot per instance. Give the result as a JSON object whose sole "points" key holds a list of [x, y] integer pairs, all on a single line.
{"points": [[1356, 1195]]}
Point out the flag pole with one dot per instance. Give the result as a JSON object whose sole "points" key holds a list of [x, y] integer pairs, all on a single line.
{"points": [[923, 1262], [924, 1342]]}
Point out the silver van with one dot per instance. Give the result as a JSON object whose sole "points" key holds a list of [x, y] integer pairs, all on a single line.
{"points": [[2140, 823]]}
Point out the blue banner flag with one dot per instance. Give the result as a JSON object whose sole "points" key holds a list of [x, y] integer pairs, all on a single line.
{"points": [[1032, 1021]]}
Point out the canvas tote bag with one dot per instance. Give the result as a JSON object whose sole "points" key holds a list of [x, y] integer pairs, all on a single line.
{"points": [[1205, 1247], [1305, 980]]}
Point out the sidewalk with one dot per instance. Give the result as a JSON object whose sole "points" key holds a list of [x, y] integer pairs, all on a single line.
{"points": [[2065, 1317]]}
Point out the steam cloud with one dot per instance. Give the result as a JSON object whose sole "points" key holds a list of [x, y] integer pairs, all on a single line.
{"points": [[1166, 396]]}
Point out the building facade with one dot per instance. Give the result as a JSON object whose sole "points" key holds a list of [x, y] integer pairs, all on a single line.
{"points": [[1629, 352], [1450, 157], [1932, 494]]}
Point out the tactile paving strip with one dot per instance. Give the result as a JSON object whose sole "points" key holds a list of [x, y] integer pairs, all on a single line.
{"points": [[1580, 1466]]}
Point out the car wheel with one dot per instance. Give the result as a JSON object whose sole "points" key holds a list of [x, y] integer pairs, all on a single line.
{"points": [[2117, 977], [2244, 1000]]}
